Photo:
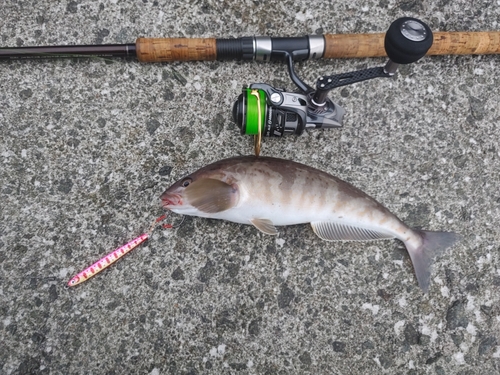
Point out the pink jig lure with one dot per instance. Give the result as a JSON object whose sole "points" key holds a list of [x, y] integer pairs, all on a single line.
{"points": [[108, 260], [112, 257]]}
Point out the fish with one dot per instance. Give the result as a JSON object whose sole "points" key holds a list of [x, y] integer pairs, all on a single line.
{"points": [[267, 192]]}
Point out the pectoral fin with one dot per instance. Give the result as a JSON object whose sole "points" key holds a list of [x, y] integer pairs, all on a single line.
{"points": [[211, 196], [264, 225], [331, 231]]}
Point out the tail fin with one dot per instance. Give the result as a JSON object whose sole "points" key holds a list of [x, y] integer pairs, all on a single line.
{"points": [[422, 257]]}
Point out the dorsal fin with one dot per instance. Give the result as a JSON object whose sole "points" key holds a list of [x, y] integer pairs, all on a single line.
{"points": [[332, 231], [210, 195]]}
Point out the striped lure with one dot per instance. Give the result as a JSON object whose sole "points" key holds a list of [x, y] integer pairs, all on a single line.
{"points": [[112, 257], [107, 260]]}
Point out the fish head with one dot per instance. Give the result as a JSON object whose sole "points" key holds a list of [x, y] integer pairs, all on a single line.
{"points": [[172, 197], [204, 192]]}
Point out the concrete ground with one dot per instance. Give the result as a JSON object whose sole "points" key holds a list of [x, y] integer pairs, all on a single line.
{"points": [[87, 147]]}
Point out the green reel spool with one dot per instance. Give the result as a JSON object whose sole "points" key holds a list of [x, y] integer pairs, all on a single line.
{"points": [[253, 113]]}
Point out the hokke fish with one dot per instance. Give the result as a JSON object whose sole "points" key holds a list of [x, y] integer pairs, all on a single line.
{"points": [[268, 192]]}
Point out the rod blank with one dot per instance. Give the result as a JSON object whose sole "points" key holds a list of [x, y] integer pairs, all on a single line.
{"points": [[47, 52]]}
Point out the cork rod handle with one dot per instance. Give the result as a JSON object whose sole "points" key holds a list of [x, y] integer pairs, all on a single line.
{"points": [[175, 49], [445, 43]]}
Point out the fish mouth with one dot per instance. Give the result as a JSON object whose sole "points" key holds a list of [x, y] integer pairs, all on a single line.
{"points": [[169, 201]]}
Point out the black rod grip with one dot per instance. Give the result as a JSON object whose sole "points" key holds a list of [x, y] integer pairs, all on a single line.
{"points": [[235, 49]]}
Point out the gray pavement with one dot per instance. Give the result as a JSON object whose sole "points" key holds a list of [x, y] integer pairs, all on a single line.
{"points": [[87, 147]]}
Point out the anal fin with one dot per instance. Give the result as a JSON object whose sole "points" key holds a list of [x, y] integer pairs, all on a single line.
{"points": [[265, 226], [331, 231]]}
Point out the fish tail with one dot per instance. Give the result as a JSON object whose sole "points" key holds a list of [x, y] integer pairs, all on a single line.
{"points": [[432, 245]]}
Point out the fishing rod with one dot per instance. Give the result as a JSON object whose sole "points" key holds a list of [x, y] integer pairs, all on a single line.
{"points": [[260, 48], [265, 111]]}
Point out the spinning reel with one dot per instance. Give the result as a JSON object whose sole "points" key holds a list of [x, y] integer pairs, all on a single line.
{"points": [[263, 110]]}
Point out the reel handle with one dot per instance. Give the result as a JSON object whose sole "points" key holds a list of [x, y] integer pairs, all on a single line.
{"points": [[407, 40]]}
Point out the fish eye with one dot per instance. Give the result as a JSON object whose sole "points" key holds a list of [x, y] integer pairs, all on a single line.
{"points": [[186, 182]]}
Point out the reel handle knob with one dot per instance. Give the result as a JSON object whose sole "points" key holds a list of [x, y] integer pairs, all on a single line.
{"points": [[407, 40]]}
